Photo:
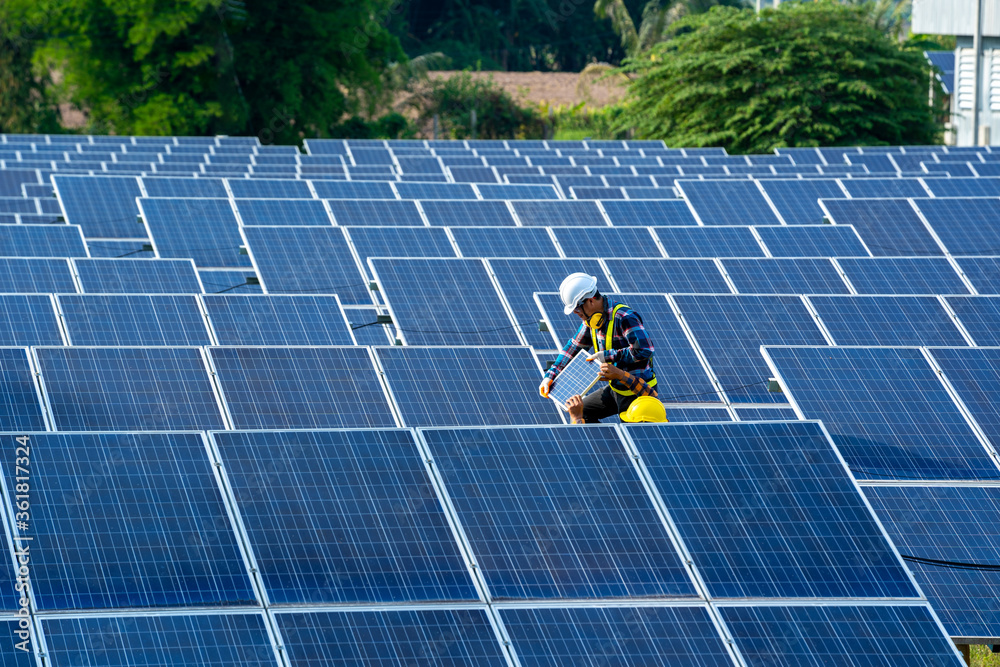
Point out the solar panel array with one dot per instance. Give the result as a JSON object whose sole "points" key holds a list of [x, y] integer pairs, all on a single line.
{"points": [[282, 406]]}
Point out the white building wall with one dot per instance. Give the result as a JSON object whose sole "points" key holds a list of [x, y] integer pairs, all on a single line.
{"points": [[954, 17]]}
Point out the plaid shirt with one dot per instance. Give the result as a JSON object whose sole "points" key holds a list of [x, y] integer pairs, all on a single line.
{"points": [[636, 385], [631, 349]]}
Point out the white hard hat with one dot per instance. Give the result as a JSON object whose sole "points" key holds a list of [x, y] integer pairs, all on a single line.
{"points": [[576, 288]]}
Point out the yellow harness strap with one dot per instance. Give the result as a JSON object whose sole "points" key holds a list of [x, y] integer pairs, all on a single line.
{"points": [[607, 340]]}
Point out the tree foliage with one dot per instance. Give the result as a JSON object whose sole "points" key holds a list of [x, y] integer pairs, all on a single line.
{"points": [[810, 74], [498, 115], [657, 17], [25, 104]]}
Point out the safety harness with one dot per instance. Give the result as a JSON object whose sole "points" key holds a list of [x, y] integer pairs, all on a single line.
{"points": [[607, 340]]}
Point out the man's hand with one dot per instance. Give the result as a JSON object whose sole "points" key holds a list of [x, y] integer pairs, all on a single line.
{"points": [[609, 372], [574, 404], [545, 387]]}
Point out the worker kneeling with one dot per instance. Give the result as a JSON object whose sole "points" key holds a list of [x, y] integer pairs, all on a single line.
{"points": [[621, 345]]}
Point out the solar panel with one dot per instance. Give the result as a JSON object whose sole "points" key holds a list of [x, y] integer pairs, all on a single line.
{"points": [[847, 635], [276, 320], [980, 316], [125, 541], [965, 226], [590, 530], [140, 248], [884, 187], [28, 319], [615, 635], [796, 200], [709, 242], [259, 188], [400, 242], [768, 510], [577, 378], [730, 329], [359, 520], [766, 414], [184, 187], [784, 276], [20, 409], [103, 206], [300, 387], [206, 230], [128, 388], [937, 525], [563, 213], [137, 276], [474, 313], [982, 272], [649, 213], [519, 242], [41, 241], [813, 241], [473, 174], [588, 193], [282, 212], [21, 275], [132, 319], [889, 227], [199, 640], [464, 213], [886, 409], [964, 187], [353, 190], [374, 212], [435, 191], [459, 386], [307, 260], [391, 637], [667, 275], [604, 241], [506, 191], [887, 320], [728, 202], [902, 275], [19, 205]]}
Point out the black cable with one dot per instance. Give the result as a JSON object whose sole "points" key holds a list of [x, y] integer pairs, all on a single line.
{"points": [[355, 327], [954, 565], [134, 252], [232, 287]]}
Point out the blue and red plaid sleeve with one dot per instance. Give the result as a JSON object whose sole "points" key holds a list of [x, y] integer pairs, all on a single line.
{"points": [[581, 341]]}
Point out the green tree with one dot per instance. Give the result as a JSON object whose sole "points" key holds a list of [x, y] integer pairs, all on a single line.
{"points": [[657, 17], [25, 103], [278, 70], [498, 116], [810, 74]]}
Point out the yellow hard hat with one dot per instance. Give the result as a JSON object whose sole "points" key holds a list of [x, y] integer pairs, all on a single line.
{"points": [[645, 409]]}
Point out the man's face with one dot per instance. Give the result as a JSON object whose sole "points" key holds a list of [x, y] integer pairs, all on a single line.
{"points": [[588, 308]]}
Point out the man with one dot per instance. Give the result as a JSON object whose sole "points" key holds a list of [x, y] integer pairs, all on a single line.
{"points": [[645, 408], [619, 340]]}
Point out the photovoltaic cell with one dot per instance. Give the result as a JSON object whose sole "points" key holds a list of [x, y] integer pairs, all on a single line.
{"points": [[353, 190], [199, 640], [357, 212], [902, 275], [301, 387], [578, 378], [768, 510], [709, 242], [466, 386], [975, 375], [365, 327], [400, 242], [133, 319], [204, 230], [964, 187], [668, 275], [854, 636], [276, 320], [728, 202], [945, 523], [797, 199], [982, 272], [140, 249], [577, 521], [433, 636], [887, 411], [137, 276], [813, 241], [965, 226], [766, 414], [260, 188], [519, 242], [561, 213], [20, 409], [128, 388], [507, 191], [784, 276], [884, 188], [282, 212], [28, 319], [445, 213], [435, 191], [103, 206], [307, 260], [125, 538], [41, 241], [615, 635], [649, 212], [582, 192], [184, 187], [731, 329], [415, 288], [980, 315], [887, 320], [357, 521], [606, 241], [889, 227]]}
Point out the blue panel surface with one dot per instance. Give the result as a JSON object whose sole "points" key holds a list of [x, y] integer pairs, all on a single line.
{"points": [[561, 213], [202, 640], [184, 187], [887, 411], [649, 213], [276, 320], [435, 191], [577, 522], [103, 206], [668, 275], [128, 388], [889, 227], [728, 202], [768, 510], [884, 187], [357, 212], [887, 320], [232, 281], [965, 226], [20, 409], [982, 272], [784, 276], [980, 315], [731, 329], [391, 638], [683, 636], [125, 538], [415, 288], [708, 242], [356, 520], [301, 387], [520, 242], [496, 386], [132, 276], [945, 524], [606, 242], [675, 414], [797, 200], [903, 275], [813, 241], [975, 375], [282, 212], [446, 213], [133, 319], [366, 329], [254, 188], [205, 230], [588, 193], [878, 636], [28, 319], [307, 260], [964, 187], [41, 241], [139, 249], [766, 414], [353, 190], [506, 191], [400, 242]]}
